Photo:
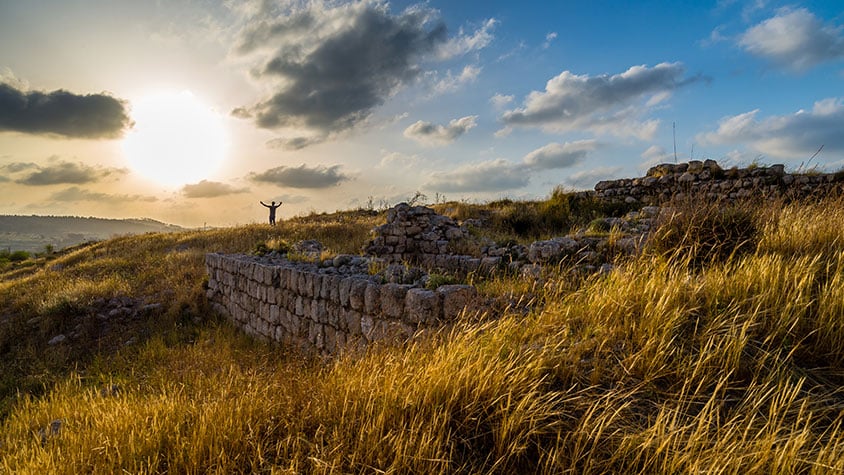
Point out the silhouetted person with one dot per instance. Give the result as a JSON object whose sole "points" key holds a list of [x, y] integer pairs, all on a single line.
{"points": [[272, 206]]}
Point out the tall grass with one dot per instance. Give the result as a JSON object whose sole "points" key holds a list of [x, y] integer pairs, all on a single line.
{"points": [[732, 366]]}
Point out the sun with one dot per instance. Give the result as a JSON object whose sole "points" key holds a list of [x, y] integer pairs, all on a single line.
{"points": [[175, 139]]}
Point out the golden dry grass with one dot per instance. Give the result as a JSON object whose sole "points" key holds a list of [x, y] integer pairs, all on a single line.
{"points": [[735, 366]]}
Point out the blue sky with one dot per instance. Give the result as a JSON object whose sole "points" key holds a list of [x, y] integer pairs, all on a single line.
{"points": [[106, 108]]}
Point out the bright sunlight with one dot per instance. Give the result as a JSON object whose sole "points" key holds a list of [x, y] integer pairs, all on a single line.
{"points": [[175, 140]]}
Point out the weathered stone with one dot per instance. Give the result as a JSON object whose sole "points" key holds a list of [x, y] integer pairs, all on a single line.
{"points": [[422, 306], [455, 298], [392, 299], [357, 294]]}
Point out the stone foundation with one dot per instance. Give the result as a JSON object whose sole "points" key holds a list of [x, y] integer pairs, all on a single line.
{"points": [[324, 310]]}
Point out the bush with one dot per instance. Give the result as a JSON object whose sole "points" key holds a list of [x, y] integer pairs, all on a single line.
{"points": [[707, 232]]}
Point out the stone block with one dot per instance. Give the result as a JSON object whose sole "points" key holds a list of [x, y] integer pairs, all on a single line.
{"points": [[357, 294], [393, 299], [422, 306], [455, 298], [344, 289], [372, 299]]}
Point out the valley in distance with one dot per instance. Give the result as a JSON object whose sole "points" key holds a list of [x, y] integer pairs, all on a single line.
{"points": [[35, 233]]}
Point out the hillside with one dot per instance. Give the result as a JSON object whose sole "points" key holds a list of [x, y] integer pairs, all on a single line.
{"points": [[719, 348], [33, 233]]}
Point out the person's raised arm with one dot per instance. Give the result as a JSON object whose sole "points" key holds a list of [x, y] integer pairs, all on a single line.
{"points": [[264, 204]]}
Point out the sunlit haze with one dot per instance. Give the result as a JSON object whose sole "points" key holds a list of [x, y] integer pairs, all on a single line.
{"points": [[192, 112], [175, 139]]}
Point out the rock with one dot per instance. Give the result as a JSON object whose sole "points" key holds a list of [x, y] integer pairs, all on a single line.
{"points": [[455, 298], [57, 340]]}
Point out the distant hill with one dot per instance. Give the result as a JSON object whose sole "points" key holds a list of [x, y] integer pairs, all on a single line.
{"points": [[33, 233]]}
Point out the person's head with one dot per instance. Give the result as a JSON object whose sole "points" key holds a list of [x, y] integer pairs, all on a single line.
{"points": [[272, 203]]}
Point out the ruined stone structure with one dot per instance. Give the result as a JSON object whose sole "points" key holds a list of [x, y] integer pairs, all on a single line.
{"points": [[336, 304], [325, 308], [706, 179]]}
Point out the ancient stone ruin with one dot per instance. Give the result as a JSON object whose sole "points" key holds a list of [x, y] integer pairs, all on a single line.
{"points": [[325, 307], [707, 180], [352, 301]]}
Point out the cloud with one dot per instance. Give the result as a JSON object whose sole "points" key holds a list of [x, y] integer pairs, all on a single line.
{"points": [[501, 175], [795, 39], [331, 65], [64, 173], [588, 178], [210, 189], [433, 134], [74, 193], [654, 155], [555, 156], [786, 136], [500, 100], [16, 167], [451, 83], [92, 116], [295, 143], [397, 159], [601, 104], [302, 176], [492, 175], [548, 39], [467, 42]]}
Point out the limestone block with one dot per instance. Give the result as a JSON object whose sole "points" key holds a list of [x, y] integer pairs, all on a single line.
{"points": [[344, 289], [353, 322], [422, 306], [357, 294], [392, 299], [372, 299], [330, 340], [367, 324], [455, 298]]}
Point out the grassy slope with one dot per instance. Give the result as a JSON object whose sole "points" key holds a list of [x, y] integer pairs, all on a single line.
{"points": [[667, 365]]}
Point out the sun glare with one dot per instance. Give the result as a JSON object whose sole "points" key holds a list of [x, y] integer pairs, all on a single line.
{"points": [[175, 140]]}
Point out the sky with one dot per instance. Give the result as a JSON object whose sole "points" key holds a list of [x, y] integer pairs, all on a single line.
{"points": [[192, 111]]}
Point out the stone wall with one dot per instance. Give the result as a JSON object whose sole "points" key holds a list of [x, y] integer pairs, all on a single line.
{"points": [[325, 308], [706, 179]]}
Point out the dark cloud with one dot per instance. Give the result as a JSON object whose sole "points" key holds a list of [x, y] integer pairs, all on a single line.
{"points": [[74, 193], [794, 136], [795, 39], [210, 189], [65, 173], [501, 175], [295, 143], [302, 176], [16, 167], [601, 104], [334, 65], [62, 113], [435, 134]]}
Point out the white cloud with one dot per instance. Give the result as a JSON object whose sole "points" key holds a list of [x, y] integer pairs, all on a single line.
{"points": [[427, 133], [492, 175], [501, 175], [500, 100], [397, 159], [556, 156], [588, 178], [467, 42], [451, 83], [795, 136], [795, 39], [548, 39], [601, 104], [655, 155]]}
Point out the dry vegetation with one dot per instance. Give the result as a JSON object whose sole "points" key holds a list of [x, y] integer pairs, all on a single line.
{"points": [[682, 360]]}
